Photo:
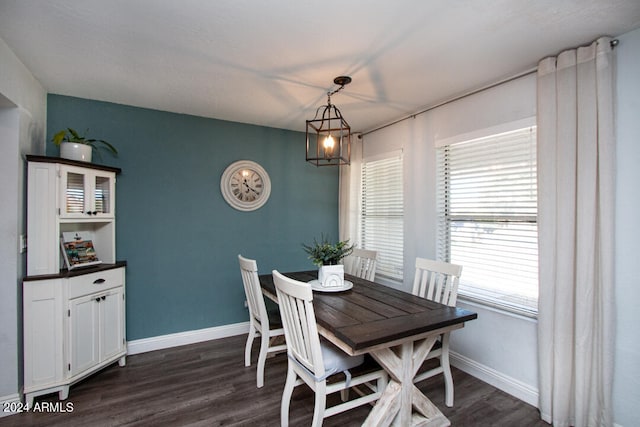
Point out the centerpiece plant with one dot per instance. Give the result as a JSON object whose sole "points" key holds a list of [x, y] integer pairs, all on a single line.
{"points": [[327, 256], [323, 252]]}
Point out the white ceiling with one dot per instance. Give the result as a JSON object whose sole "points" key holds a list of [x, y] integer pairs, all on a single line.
{"points": [[271, 62]]}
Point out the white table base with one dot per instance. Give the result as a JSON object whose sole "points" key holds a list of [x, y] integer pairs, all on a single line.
{"points": [[401, 397]]}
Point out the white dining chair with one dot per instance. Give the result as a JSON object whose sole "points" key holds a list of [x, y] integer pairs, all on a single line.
{"points": [[361, 263], [260, 323], [438, 281], [312, 361]]}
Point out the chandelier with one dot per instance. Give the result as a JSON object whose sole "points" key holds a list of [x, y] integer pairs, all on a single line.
{"points": [[328, 133]]}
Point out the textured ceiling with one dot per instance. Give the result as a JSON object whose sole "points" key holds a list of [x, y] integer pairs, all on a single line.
{"points": [[272, 62]]}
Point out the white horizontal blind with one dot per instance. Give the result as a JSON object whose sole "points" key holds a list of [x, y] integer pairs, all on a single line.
{"points": [[487, 204], [75, 193], [101, 194], [382, 214]]}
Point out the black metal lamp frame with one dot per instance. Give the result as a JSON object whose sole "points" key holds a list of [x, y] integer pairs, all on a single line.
{"points": [[329, 124]]}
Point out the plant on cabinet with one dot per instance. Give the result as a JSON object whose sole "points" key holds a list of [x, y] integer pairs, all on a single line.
{"points": [[74, 146]]}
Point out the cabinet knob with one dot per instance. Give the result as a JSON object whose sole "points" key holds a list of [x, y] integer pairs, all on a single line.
{"points": [[99, 281], [98, 299], [104, 297]]}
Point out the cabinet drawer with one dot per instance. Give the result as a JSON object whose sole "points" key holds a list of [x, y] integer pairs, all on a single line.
{"points": [[95, 282]]}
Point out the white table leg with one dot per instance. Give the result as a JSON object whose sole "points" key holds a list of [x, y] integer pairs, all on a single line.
{"points": [[401, 397], [406, 382], [386, 408]]}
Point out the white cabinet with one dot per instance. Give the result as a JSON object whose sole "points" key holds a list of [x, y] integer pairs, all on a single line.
{"points": [[111, 325], [74, 321], [44, 335], [74, 325], [65, 196], [96, 322], [86, 193], [83, 333]]}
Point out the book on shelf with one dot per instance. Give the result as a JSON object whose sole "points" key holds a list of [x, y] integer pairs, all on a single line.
{"points": [[78, 250]]}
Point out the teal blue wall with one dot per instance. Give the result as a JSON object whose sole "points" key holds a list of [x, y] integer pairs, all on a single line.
{"points": [[178, 235]]}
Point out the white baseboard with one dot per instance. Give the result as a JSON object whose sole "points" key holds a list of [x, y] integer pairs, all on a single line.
{"points": [[510, 385], [8, 402], [187, 337]]}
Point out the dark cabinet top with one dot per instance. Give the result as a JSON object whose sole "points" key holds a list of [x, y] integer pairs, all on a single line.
{"points": [[64, 273], [47, 159]]}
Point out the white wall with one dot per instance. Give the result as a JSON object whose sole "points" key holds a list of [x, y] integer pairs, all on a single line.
{"points": [[497, 347], [22, 130], [626, 384]]}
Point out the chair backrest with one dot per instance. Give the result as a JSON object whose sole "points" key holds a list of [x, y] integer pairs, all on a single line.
{"points": [[299, 322], [252, 290], [437, 281], [361, 263]]}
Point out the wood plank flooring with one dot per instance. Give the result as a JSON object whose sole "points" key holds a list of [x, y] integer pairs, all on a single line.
{"points": [[206, 384]]}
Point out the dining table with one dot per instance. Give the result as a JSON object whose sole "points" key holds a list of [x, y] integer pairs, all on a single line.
{"points": [[397, 328]]}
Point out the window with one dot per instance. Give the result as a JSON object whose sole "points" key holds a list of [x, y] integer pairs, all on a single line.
{"points": [[382, 214], [487, 208]]}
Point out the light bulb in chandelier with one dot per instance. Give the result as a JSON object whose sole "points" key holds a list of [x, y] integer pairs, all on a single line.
{"points": [[329, 144]]}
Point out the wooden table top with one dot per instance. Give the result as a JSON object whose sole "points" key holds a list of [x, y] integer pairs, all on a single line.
{"points": [[372, 315]]}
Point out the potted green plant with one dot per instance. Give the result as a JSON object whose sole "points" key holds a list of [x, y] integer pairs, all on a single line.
{"points": [[74, 146], [327, 257]]}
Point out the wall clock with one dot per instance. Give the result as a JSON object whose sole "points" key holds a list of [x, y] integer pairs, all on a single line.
{"points": [[245, 185]]}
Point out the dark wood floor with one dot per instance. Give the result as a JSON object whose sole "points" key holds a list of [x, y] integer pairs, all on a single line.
{"points": [[206, 384]]}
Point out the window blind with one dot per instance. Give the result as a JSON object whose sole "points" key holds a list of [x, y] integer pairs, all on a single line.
{"points": [[382, 214], [75, 193], [487, 207], [101, 194]]}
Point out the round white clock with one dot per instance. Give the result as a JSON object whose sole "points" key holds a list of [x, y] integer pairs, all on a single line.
{"points": [[245, 185]]}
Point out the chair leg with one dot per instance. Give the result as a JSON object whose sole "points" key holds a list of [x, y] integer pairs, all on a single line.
{"points": [[344, 393], [321, 404], [289, 384], [446, 367], [262, 358], [247, 348]]}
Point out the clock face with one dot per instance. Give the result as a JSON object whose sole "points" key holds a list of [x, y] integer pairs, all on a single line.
{"points": [[245, 185]]}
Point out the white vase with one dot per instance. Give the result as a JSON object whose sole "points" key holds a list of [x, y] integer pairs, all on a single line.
{"points": [[331, 276], [74, 151]]}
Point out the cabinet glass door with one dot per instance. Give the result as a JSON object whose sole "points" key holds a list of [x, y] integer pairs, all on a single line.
{"points": [[86, 193], [75, 195], [102, 195]]}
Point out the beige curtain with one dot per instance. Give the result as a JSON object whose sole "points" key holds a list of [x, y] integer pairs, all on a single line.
{"points": [[349, 194], [576, 161]]}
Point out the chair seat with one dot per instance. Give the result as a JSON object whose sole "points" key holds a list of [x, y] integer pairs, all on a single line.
{"points": [[368, 366], [336, 360]]}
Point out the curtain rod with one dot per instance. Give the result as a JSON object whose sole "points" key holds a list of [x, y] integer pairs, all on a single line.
{"points": [[613, 43]]}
